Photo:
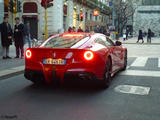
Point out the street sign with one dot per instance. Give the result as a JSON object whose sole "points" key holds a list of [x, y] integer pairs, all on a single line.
{"points": [[110, 3], [95, 13]]}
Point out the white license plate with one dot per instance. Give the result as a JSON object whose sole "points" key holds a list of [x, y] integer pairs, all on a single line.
{"points": [[51, 61]]}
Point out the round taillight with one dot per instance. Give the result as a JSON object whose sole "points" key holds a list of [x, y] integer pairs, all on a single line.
{"points": [[88, 55], [28, 54]]}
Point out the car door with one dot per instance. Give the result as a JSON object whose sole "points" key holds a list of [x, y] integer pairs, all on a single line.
{"points": [[117, 53], [109, 44]]}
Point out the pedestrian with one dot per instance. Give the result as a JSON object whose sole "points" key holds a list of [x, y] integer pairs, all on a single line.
{"points": [[73, 29], [124, 36], [28, 34], [6, 37], [140, 36], [19, 34], [127, 32], [79, 29], [87, 30], [97, 29], [70, 29], [149, 35]]}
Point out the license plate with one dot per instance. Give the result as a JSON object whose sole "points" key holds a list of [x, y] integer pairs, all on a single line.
{"points": [[51, 61]]}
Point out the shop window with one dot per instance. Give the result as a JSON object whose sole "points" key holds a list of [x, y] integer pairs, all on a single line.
{"points": [[90, 16]]}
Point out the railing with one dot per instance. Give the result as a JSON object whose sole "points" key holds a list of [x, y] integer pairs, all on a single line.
{"points": [[95, 4], [36, 42]]}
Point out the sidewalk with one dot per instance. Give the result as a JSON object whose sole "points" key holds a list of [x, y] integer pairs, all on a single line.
{"points": [[11, 66], [133, 40]]}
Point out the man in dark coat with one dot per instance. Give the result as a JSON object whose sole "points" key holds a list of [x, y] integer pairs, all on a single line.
{"points": [[6, 37], [140, 36], [149, 36], [19, 34], [79, 30]]}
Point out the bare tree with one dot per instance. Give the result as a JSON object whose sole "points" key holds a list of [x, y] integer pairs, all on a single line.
{"points": [[124, 10]]}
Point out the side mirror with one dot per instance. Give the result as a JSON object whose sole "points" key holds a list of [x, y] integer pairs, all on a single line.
{"points": [[118, 43]]}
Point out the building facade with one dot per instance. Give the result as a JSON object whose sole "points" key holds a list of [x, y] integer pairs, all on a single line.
{"points": [[147, 15], [64, 14]]}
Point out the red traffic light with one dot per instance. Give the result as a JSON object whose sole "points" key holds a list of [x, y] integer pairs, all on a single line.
{"points": [[46, 3], [43, 1], [95, 13], [81, 15]]}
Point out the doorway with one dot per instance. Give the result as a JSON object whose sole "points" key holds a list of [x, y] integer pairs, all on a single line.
{"points": [[33, 26]]}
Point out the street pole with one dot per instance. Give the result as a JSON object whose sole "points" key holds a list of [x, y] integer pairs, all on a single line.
{"points": [[45, 24], [113, 14], [15, 11], [1, 19]]}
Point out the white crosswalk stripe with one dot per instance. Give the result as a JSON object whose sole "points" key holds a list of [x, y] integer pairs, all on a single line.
{"points": [[140, 62], [141, 73], [159, 62]]}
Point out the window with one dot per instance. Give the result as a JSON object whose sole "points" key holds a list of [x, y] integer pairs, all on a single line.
{"points": [[63, 41], [90, 16], [100, 41], [107, 41]]}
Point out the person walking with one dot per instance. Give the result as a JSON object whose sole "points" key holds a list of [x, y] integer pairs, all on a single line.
{"points": [[149, 35], [127, 32], [87, 30], [70, 30], [97, 29], [28, 35], [74, 29], [6, 37], [140, 36], [79, 29], [19, 34]]}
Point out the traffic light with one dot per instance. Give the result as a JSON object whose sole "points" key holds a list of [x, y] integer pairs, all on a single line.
{"points": [[77, 17], [46, 3], [81, 16], [11, 6], [18, 6]]}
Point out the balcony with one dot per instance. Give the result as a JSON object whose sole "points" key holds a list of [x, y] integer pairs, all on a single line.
{"points": [[95, 4]]}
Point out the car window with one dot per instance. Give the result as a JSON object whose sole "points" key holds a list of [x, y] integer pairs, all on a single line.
{"points": [[63, 41], [100, 41], [107, 41]]}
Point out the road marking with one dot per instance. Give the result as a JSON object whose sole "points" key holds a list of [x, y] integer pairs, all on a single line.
{"points": [[130, 89], [11, 70], [140, 62], [141, 73], [128, 67], [158, 62]]}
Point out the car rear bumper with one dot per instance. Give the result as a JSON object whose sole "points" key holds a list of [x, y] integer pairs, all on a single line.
{"points": [[68, 75]]}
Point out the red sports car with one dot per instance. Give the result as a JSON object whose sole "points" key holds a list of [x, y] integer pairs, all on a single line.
{"points": [[85, 55]]}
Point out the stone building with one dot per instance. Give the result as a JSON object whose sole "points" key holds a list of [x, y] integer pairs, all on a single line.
{"points": [[147, 15], [63, 14]]}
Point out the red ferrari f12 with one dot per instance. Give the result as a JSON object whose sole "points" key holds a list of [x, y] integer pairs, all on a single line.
{"points": [[85, 55]]}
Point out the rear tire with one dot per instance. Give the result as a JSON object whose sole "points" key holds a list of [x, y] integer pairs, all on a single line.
{"points": [[125, 61], [107, 75]]}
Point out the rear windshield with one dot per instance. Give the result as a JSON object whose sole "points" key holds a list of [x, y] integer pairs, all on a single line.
{"points": [[64, 41]]}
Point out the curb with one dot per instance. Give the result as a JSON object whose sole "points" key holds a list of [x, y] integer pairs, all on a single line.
{"points": [[4, 74], [143, 43]]}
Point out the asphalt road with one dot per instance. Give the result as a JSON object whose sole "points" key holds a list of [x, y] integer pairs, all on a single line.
{"points": [[21, 100]]}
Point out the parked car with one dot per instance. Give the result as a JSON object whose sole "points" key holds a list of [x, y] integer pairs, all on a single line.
{"points": [[86, 55]]}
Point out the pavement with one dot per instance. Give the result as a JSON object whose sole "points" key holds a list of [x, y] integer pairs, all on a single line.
{"points": [[133, 40], [11, 66], [132, 95], [129, 97]]}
